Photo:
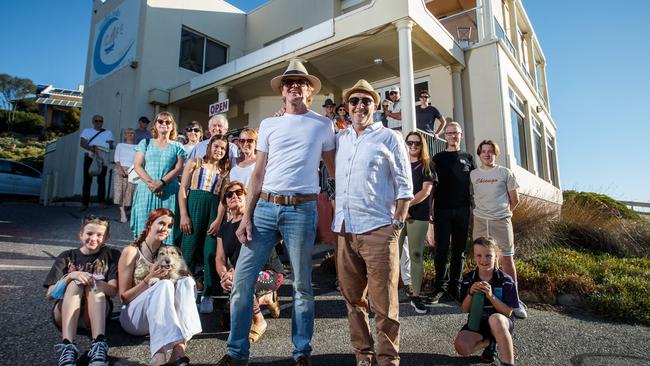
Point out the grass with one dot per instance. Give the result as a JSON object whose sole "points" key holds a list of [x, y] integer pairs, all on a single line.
{"points": [[610, 286]]}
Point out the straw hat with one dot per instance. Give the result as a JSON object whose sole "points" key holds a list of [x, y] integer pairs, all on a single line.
{"points": [[295, 68], [362, 86]]}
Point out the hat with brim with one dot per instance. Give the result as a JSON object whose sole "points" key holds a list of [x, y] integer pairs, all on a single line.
{"points": [[329, 102], [295, 69], [364, 87]]}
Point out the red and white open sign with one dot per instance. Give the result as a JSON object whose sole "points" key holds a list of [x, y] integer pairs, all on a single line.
{"points": [[219, 107]]}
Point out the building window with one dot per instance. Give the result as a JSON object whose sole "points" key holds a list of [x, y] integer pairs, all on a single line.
{"points": [[518, 120], [538, 149], [200, 53], [552, 159]]}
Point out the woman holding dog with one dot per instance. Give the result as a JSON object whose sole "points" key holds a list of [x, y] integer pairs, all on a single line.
{"points": [[165, 310], [228, 247], [198, 203]]}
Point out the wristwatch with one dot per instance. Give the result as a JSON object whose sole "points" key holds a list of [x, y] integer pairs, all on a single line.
{"points": [[399, 225]]}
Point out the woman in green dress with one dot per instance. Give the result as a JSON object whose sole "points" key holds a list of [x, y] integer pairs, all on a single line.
{"points": [[158, 161]]}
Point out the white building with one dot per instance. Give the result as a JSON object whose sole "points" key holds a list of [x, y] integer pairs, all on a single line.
{"points": [[479, 59]]}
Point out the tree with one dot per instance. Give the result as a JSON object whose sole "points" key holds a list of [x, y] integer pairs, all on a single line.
{"points": [[12, 89]]}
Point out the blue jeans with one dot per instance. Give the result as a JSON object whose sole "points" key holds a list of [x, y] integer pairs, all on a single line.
{"points": [[296, 225]]}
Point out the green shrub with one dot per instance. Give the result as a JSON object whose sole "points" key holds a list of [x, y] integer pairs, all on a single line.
{"points": [[601, 203], [29, 151], [24, 122], [610, 286]]}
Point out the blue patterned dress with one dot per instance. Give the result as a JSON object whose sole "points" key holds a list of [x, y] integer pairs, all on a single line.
{"points": [[157, 163]]}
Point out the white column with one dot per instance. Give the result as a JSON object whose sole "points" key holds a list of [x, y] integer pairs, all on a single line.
{"points": [[545, 86], [531, 58], [404, 28], [488, 21], [222, 90], [513, 34], [457, 87]]}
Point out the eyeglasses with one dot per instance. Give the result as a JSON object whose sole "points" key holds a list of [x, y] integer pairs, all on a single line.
{"points": [[195, 129], [290, 82], [238, 192], [452, 133], [365, 101], [424, 96], [246, 141], [413, 143], [89, 218], [163, 121]]}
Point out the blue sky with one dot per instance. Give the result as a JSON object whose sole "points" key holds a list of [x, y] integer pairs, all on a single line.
{"points": [[597, 74]]}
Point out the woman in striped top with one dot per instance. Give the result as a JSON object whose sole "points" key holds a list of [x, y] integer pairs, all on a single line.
{"points": [[198, 202]]}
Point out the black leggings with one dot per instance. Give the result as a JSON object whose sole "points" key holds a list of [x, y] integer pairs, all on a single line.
{"points": [[88, 181]]}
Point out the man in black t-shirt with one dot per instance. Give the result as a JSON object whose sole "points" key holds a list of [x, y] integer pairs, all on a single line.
{"points": [[426, 115], [450, 211]]}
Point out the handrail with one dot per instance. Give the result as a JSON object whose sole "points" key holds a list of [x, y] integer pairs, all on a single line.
{"points": [[435, 145]]}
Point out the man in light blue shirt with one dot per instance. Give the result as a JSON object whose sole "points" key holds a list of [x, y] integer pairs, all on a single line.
{"points": [[373, 191]]}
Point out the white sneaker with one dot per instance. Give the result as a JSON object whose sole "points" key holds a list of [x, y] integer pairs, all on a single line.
{"points": [[520, 312], [206, 306]]}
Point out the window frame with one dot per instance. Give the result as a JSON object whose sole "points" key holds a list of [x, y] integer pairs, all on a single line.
{"points": [[205, 40], [520, 146]]}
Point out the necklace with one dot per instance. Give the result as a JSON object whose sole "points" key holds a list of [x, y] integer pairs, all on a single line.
{"points": [[153, 255]]}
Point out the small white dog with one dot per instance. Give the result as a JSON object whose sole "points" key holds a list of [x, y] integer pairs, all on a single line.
{"points": [[169, 257]]}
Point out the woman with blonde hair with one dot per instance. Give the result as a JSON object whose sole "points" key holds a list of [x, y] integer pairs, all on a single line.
{"points": [[123, 158], [243, 167], [157, 161], [417, 222]]}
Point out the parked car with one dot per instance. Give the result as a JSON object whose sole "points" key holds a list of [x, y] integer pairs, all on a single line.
{"points": [[19, 179]]}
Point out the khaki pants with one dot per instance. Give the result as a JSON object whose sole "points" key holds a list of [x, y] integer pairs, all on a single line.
{"points": [[368, 264]]}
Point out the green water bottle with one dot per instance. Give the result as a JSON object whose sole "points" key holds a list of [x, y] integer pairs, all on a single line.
{"points": [[476, 311]]}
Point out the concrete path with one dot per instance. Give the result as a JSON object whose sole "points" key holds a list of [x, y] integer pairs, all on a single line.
{"points": [[31, 236]]}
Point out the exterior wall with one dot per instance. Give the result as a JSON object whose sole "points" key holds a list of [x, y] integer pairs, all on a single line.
{"points": [[483, 100], [285, 19]]}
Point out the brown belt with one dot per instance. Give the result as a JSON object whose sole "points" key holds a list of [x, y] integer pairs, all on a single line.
{"points": [[288, 200]]}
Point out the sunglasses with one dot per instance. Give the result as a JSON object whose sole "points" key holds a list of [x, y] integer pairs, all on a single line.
{"points": [[342, 110], [246, 141], [290, 82], [413, 143], [238, 192], [162, 121], [393, 92], [195, 129], [98, 120], [424, 96], [365, 101]]}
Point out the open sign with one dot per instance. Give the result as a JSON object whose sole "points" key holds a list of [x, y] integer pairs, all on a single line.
{"points": [[219, 107]]}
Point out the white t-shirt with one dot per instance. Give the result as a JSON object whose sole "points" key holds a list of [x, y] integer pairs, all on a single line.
{"points": [[491, 187], [188, 148], [394, 107], [124, 154], [294, 143], [100, 140], [240, 174]]}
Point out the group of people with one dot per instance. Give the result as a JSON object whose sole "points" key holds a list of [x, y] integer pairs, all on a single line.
{"points": [[232, 206]]}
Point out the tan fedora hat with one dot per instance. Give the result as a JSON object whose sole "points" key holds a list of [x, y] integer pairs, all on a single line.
{"points": [[362, 86], [295, 68]]}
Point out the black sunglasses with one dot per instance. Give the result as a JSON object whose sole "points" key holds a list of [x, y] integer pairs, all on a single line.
{"points": [[290, 82], [238, 192], [365, 101], [98, 120], [162, 121], [195, 129], [415, 143]]}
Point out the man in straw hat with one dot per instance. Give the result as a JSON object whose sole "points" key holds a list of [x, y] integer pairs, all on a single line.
{"points": [[282, 203], [373, 192]]}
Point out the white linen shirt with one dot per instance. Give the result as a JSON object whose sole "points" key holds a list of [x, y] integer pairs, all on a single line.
{"points": [[372, 171]]}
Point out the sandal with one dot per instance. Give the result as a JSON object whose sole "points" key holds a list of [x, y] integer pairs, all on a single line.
{"points": [[256, 332], [181, 361], [274, 308]]}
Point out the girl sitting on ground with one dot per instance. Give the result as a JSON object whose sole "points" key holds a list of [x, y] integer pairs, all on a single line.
{"points": [[501, 297], [82, 281], [164, 310]]}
